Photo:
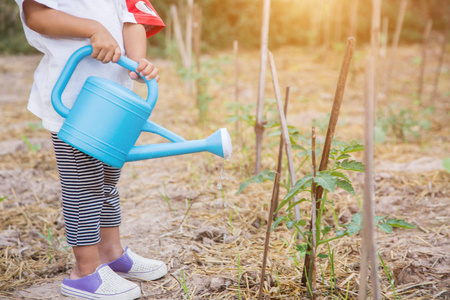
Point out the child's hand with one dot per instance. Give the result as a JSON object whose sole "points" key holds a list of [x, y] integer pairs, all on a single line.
{"points": [[105, 47], [145, 69]]}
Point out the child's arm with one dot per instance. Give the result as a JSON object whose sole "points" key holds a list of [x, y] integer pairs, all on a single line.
{"points": [[54, 23], [134, 39]]}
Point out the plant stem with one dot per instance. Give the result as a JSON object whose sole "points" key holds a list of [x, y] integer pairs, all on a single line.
{"points": [[266, 241]]}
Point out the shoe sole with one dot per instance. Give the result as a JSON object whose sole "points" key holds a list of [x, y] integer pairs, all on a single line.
{"points": [[146, 276], [128, 295]]}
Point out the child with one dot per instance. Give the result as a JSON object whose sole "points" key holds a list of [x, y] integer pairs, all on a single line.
{"points": [[90, 198]]}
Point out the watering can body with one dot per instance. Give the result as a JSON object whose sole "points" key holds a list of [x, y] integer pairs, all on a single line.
{"points": [[107, 119]]}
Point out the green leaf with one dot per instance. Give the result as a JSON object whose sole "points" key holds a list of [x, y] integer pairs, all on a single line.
{"points": [[326, 180], [301, 248], [321, 255], [352, 165], [353, 148], [399, 223], [378, 219], [357, 219], [446, 164], [277, 221], [340, 175], [298, 187], [326, 229], [345, 186], [263, 176], [340, 233], [384, 226], [352, 228], [290, 223], [3, 198], [342, 156]]}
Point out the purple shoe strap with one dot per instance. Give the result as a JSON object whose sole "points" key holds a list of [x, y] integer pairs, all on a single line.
{"points": [[89, 283], [123, 264]]}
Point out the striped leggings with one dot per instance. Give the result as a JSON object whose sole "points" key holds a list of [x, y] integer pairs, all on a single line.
{"points": [[89, 194]]}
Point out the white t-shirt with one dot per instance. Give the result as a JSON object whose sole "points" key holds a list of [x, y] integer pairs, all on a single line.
{"points": [[110, 13]]}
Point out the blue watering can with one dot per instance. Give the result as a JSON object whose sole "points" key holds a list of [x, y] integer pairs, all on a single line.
{"points": [[107, 119]]}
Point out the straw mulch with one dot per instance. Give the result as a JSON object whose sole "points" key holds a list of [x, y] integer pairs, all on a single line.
{"points": [[211, 239]]}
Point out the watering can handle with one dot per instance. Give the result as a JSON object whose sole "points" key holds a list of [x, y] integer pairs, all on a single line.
{"points": [[72, 63]]}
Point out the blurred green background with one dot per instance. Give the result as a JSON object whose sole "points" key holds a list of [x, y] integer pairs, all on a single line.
{"points": [[293, 22]]}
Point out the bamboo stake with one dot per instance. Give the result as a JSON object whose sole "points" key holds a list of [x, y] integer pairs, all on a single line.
{"points": [[280, 151], [441, 62], [384, 37], [354, 19], [236, 85], [398, 30], [259, 126], [168, 29], [426, 36], [338, 96], [178, 36], [312, 271], [190, 9], [284, 130], [197, 34], [369, 243], [266, 241]]}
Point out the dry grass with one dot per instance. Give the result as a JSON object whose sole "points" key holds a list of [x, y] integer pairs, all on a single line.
{"points": [[205, 241]]}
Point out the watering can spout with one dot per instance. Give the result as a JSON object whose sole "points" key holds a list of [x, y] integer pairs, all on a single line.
{"points": [[219, 143]]}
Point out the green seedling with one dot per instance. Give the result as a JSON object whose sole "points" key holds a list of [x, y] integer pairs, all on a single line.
{"points": [[35, 126], [402, 123], [184, 285], [165, 196], [48, 238], [3, 198], [33, 148], [261, 177], [388, 274], [335, 177], [446, 164]]}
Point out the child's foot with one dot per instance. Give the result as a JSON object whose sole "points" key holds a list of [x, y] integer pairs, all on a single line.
{"points": [[104, 283], [131, 265]]}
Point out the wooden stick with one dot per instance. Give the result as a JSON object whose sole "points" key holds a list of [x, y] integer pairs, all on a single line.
{"points": [[197, 39], [384, 37], [266, 241], [168, 29], [312, 269], [338, 96], [197, 34], [284, 130], [369, 243], [398, 30], [178, 36], [441, 62], [280, 151], [426, 36], [190, 9], [259, 126], [354, 19], [236, 85]]}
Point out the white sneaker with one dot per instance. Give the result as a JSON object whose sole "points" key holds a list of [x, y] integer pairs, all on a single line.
{"points": [[104, 283], [130, 265]]}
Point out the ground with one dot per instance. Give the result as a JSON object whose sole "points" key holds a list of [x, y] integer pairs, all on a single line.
{"points": [[212, 239]]}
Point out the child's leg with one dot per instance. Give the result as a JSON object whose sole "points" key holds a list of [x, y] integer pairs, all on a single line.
{"points": [[82, 192], [110, 247]]}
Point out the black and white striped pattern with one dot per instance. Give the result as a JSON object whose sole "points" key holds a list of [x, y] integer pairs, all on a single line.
{"points": [[89, 194]]}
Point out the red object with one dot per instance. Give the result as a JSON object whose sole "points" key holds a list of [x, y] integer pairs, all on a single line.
{"points": [[145, 14]]}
